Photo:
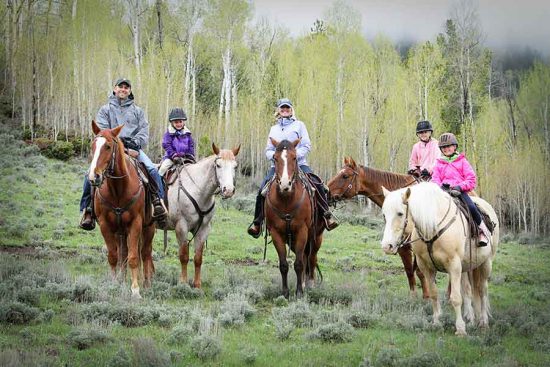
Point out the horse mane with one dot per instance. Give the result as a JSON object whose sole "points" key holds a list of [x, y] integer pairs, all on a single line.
{"points": [[424, 202], [391, 181], [285, 144]]}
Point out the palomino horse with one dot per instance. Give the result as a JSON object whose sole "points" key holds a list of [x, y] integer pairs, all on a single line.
{"points": [[290, 218], [119, 203], [191, 202], [442, 242], [355, 180]]}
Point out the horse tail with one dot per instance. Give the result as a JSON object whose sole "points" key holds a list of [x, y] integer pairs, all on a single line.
{"points": [[319, 273]]}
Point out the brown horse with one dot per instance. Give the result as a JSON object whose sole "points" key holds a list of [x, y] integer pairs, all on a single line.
{"points": [[355, 180], [290, 218], [119, 203]]}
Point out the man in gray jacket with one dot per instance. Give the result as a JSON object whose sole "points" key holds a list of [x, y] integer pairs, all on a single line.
{"points": [[121, 109]]}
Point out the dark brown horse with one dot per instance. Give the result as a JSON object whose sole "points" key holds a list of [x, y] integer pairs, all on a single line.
{"points": [[354, 180], [290, 218], [119, 203]]}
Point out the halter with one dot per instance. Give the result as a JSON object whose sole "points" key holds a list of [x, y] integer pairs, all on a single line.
{"points": [[352, 181]]}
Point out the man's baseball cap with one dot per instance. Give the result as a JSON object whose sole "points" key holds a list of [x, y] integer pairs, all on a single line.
{"points": [[123, 81]]}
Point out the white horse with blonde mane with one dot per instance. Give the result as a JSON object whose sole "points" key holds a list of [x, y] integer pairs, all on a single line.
{"points": [[191, 202], [441, 242]]}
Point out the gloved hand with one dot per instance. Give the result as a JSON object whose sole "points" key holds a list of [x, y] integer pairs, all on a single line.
{"points": [[411, 171], [129, 143], [446, 187], [177, 160], [456, 191], [424, 173]]}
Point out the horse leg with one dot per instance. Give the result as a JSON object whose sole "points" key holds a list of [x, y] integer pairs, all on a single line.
{"points": [[422, 278], [406, 255], [280, 246], [147, 255], [134, 234], [312, 261], [301, 242], [181, 235], [455, 275], [480, 284], [111, 241], [197, 259], [429, 273], [467, 298]]}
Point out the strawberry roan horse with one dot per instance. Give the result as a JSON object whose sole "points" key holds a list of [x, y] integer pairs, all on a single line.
{"points": [[354, 180], [119, 203], [290, 216], [191, 202]]}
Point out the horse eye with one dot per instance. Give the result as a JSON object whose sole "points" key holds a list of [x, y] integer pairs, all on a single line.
{"points": [[400, 214], [345, 177], [107, 147]]}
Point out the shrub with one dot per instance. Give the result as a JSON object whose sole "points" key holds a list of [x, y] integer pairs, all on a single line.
{"points": [[299, 313], [235, 309], [179, 335], [29, 296], [17, 313], [361, 319], [184, 291], [120, 359], [249, 355], [129, 315], [85, 338], [62, 150], [146, 353], [336, 295], [387, 357], [206, 346], [337, 332], [426, 359]]}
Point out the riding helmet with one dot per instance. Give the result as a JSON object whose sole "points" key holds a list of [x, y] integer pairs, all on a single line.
{"points": [[177, 114], [447, 139], [422, 126]]}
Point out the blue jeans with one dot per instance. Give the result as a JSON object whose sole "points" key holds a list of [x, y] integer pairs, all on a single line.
{"points": [[472, 207], [86, 199]]}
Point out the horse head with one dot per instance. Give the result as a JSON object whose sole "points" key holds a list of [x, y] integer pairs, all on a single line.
{"points": [[104, 149], [396, 216], [344, 184], [286, 164], [225, 165]]}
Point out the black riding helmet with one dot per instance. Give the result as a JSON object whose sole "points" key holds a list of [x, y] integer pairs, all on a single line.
{"points": [[422, 126], [177, 114]]}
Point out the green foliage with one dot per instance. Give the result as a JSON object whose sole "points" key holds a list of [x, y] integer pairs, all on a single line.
{"points": [[86, 338], [17, 313], [206, 347], [235, 309], [120, 359], [147, 353], [338, 332]]}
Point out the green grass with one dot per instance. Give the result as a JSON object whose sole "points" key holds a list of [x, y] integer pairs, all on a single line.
{"points": [[47, 260]]}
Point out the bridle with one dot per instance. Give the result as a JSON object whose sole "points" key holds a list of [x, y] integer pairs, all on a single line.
{"points": [[110, 169], [277, 179]]}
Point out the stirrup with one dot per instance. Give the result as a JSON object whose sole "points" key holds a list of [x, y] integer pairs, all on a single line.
{"points": [[251, 230]]}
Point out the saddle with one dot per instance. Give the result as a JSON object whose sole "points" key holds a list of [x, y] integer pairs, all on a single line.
{"points": [[170, 176], [474, 228]]}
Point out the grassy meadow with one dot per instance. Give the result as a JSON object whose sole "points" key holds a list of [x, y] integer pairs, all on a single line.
{"points": [[59, 307]]}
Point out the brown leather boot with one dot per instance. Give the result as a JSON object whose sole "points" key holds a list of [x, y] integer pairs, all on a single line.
{"points": [[159, 212], [330, 222], [255, 230], [87, 222]]}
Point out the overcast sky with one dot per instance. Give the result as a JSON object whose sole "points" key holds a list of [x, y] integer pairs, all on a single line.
{"points": [[505, 23]]}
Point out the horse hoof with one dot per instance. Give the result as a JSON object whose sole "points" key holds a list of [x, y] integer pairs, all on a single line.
{"points": [[135, 294], [460, 333]]}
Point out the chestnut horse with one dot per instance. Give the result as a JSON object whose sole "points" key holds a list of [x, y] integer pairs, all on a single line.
{"points": [[119, 203], [290, 218], [355, 180]]}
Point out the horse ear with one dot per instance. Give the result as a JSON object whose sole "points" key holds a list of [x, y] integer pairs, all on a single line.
{"points": [[346, 161], [95, 128], [117, 130], [407, 195], [236, 150], [296, 142], [385, 191], [273, 141], [352, 163], [215, 149]]}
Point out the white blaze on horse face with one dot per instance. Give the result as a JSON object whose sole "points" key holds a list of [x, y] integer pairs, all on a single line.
{"points": [[225, 170], [99, 142], [395, 223], [285, 183]]}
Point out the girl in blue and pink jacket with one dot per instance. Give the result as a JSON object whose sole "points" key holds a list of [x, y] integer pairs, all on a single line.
{"points": [[454, 173], [177, 140]]}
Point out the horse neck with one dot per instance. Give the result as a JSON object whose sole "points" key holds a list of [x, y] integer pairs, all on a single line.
{"points": [[370, 182], [201, 178], [119, 186]]}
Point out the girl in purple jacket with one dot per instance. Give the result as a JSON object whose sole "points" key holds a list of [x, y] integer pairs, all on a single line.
{"points": [[455, 174], [177, 140]]}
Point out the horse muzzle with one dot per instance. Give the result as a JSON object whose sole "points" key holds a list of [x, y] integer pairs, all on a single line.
{"points": [[227, 192], [389, 248], [95, 179]]}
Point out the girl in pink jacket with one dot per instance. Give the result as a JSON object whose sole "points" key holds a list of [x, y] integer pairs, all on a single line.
{"points": [[425, 152], [454, 173]]}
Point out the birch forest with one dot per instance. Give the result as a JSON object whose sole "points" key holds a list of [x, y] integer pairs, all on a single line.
{"points": [[358, 96]]}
